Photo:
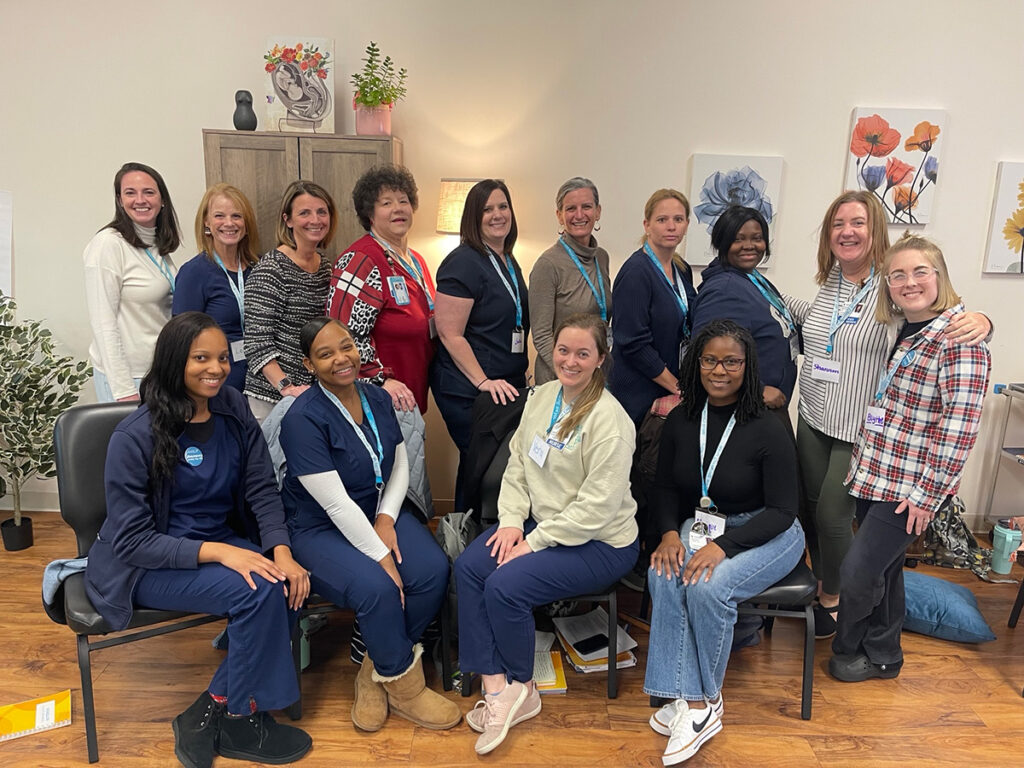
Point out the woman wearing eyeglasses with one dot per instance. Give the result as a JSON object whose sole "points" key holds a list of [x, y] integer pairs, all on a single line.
{"points": [[920, 425], [725, 501]]}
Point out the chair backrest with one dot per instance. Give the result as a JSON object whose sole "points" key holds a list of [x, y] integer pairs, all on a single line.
{"points": [[80, 439]]}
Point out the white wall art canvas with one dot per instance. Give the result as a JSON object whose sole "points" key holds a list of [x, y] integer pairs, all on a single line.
{"points": [[894, 153], [719, 181], [1005, 251], [300, 84]]}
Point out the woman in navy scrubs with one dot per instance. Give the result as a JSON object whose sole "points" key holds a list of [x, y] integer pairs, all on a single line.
{"points": [[214, 281], [183, 473], [348, 474]]}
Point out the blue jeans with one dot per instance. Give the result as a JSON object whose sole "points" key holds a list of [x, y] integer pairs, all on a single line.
{"points": [[104, 394], [691, 626], [496, 628]]}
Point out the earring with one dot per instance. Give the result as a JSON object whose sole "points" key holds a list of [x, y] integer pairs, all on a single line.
{"points": [[597, 227], [206, 231], [561, 231]]}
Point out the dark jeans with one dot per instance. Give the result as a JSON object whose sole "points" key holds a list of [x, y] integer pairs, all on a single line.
{"points": [[871, 599]]}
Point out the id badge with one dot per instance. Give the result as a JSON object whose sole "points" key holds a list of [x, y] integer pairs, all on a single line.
{"points": [[555, 444], [399, 290], [539, 451], [823, 369], [518, 341], [714, 522], [874, 421], [854, 316], [238, 351], [432, 326], [698, 536]]}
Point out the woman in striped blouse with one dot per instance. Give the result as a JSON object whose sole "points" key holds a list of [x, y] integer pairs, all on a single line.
{"points": [[844, 349]]}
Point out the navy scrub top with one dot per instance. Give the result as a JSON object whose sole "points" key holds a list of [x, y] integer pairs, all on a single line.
{"points": [[205, 479]]}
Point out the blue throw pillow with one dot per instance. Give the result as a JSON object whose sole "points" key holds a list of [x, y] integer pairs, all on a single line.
{"points": [[942, 609]]}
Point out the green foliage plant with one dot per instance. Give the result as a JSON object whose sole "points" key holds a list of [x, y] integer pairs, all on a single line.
{"points": [[379, 84]]}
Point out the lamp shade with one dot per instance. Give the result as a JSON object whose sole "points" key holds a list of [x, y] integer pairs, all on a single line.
{"points": [[451, 200]]}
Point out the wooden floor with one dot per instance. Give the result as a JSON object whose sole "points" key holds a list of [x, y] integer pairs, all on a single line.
{"points": [[952, 705]]}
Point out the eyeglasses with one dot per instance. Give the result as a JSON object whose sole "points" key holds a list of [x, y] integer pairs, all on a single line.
{"points": [[731, 364], [897, 279]]}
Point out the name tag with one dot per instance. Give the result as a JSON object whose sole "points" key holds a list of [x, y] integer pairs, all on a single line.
{"points": [[518, 341], [855, 315], [539, 450], [823, 369], [555, 444], [714, 522], [399, 290], [874, 421], [237, 351]]}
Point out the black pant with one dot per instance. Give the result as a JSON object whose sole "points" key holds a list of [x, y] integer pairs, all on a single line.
{"points": [[872, 604]]}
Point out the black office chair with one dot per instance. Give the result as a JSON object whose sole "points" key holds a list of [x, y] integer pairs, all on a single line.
{"points": [[80, 439], [1015, 612]]}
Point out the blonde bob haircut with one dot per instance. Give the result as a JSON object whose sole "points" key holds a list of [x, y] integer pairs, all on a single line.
{"points": [[304, 187], [652, 201], [886, 311], [877, 230], [248, 246]]}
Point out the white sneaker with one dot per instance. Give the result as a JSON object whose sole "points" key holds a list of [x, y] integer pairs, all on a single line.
{"points": [[689, 730], [661, 720]]}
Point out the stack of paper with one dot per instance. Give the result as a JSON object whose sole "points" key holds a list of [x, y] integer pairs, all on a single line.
{"points": [[548, 673], [572, 629]]}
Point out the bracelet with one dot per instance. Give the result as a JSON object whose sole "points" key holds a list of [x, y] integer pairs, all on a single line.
{"points": [[477, 386]]}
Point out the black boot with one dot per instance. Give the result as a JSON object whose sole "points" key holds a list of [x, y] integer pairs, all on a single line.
{"points": [[195, 732], [260, 739]]}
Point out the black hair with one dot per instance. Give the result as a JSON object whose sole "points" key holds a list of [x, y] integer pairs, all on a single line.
{"points": [[163, 390], [168, 234], [751, 398], [372, 183], [471, 227], [728, 225], [309, 331]]}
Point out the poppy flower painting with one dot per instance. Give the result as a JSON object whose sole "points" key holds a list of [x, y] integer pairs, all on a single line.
{"points": [[299, 84], [894, 154], [1005, 252]]}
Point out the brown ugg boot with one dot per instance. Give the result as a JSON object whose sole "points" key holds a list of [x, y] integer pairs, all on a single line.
{"points": [[409, 697], [370, 705]]}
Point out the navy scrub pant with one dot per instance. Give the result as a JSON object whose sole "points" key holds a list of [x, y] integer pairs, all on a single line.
{"points": [[496, 627], [258, 673], [348, 578], [872, 603]]}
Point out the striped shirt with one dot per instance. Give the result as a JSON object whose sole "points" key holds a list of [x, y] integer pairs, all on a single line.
{"points": [[932, 414], [280, 297], [837, 409]]}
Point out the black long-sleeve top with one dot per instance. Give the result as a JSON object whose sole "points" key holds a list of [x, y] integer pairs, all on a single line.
{"points": [[757, 469]]}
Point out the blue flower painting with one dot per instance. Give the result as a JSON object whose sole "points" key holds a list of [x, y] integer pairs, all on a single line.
{"points": [[740, 186]]}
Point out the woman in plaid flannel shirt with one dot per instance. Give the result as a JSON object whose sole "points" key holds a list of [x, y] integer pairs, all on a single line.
{"points": [[909, 456]]}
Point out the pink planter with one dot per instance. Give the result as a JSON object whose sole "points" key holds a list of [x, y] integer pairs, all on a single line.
{"points": [[373, 121]]}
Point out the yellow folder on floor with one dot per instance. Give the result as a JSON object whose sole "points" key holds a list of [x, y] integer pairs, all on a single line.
{"points": [[35, 716]]}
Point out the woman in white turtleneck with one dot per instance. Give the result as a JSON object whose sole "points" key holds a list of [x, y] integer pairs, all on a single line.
{"points": [[129, 281]]}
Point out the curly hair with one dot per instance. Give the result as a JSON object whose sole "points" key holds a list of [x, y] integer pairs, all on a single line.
{"points": [[370, 185], [751, 399]]}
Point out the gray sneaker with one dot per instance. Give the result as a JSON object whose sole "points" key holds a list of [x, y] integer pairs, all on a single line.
{"points": [[518, 702]]}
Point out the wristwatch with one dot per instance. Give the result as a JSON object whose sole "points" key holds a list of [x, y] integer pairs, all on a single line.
{"points": [[285, 382]]}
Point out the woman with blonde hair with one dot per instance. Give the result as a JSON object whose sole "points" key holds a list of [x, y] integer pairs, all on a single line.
{"points": [[214, 281]]}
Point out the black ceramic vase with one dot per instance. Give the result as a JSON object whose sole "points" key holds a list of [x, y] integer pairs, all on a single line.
{"points": [[244, 117]]}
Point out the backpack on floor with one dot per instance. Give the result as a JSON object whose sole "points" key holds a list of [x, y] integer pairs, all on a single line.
{"points": [[949, 542]]}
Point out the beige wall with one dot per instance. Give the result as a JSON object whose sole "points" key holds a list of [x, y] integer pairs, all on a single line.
{"points": [[533, 92]]}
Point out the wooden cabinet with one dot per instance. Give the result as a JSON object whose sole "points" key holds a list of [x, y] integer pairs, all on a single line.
{"points": [[263, 164]]}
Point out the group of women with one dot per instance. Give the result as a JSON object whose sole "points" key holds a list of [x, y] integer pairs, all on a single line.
{"points": [[890, 398]]}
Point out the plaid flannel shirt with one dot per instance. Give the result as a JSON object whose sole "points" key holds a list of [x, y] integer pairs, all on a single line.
{"points": [[932, 414]]}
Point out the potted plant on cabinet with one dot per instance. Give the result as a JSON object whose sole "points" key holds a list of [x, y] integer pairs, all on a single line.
{"points": [[377, 88], [36, 386]]}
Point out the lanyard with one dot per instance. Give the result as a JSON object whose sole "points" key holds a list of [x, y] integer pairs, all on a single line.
{"points": [[889, 372], [558, 413], [705, 478], [677, 290], [239, 289], [162, 266], [837, 318], [376, 457], [413, 269], [509, 286], [601, 298], [771, 296]]}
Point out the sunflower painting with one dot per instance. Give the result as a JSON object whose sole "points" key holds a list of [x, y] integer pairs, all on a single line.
{"points": [[894, 154], [1005, 252]]}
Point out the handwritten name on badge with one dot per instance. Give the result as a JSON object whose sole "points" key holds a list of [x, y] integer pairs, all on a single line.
{"points": [[825, 370], [874, 420]]}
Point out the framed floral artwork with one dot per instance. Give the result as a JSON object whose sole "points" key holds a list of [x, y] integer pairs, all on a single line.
{"points": [[1005, 251], [299, 84], [894, 153], [719, 181]]}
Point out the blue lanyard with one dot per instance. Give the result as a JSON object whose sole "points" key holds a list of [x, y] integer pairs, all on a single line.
{"points": [[889, 372], [678, 291], [509, 286], [162, 266], [376, 457], [837, 318], [705, 479], [771, 296], [601, 298], [413, 270], [558, 413], [239, 289]]}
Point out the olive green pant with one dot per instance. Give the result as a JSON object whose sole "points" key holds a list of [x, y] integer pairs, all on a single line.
{"points": [[827, 514]]}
